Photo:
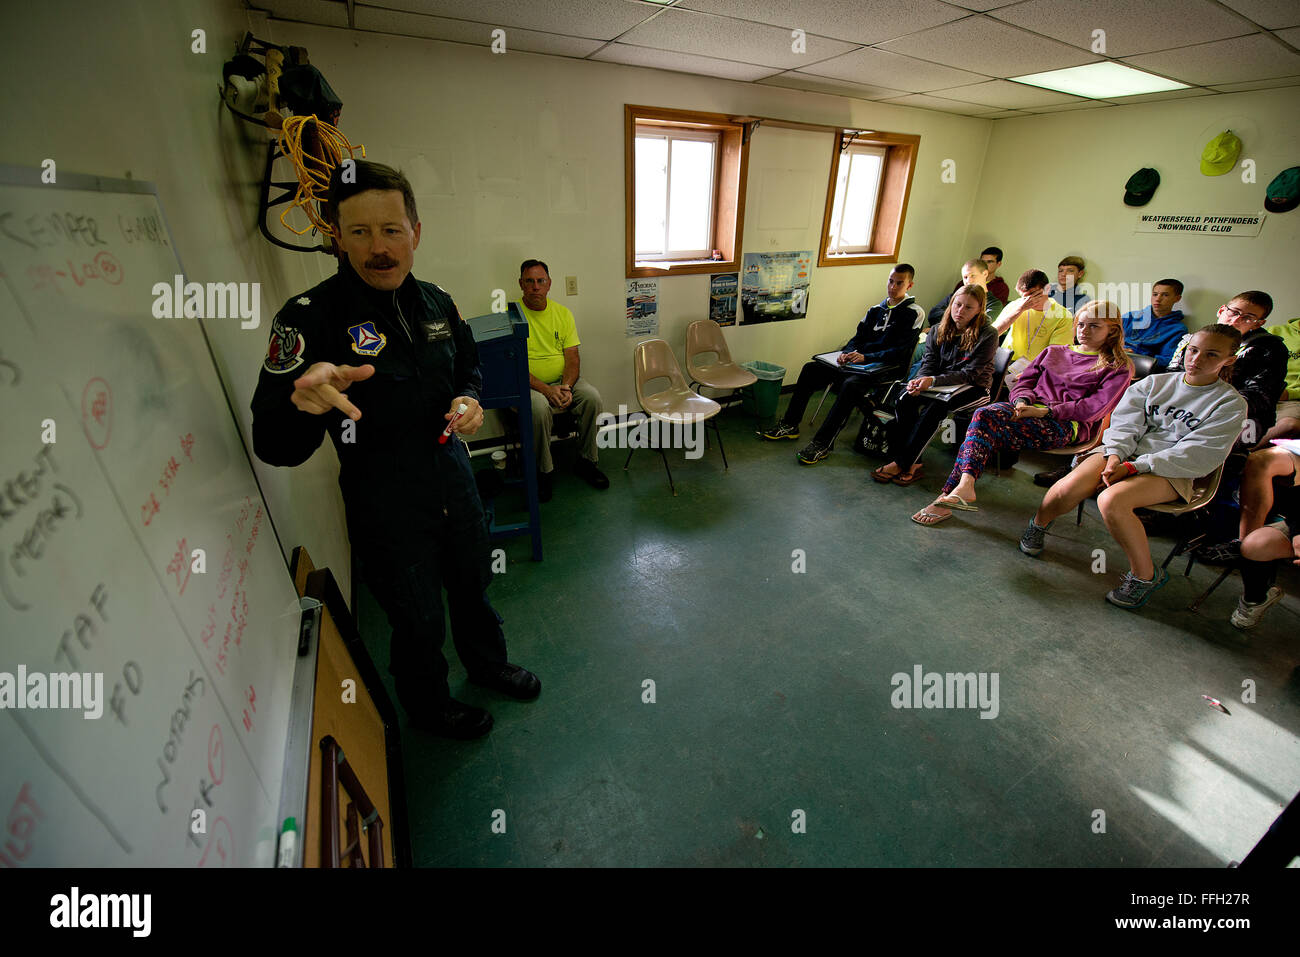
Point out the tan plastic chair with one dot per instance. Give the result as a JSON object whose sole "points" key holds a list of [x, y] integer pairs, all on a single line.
{"points": [[676, 404], [705, 336]]}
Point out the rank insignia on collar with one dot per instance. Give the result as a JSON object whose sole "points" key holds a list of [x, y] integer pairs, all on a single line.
{"points": [[303, 301], [366, 339]]}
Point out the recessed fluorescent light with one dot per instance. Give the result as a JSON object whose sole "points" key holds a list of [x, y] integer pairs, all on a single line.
{"points": [[1101, 81]]}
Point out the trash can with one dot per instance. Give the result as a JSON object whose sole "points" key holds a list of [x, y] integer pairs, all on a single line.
{"points": [[761, 398]]}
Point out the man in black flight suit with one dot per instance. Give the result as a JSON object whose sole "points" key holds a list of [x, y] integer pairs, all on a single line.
{"points": [[413, 511]]}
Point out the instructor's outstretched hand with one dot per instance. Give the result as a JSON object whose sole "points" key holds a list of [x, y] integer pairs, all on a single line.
{"points": [[321, 388]]}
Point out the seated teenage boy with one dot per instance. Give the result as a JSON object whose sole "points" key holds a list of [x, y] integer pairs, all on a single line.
{"points": [[974, 272], [1035, 321], [887, 335], [1156, 330]]}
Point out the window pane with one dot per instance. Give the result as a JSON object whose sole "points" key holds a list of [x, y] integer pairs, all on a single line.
{"points": [[860, 200], [689, 206], [837, 210], [651, 193]]}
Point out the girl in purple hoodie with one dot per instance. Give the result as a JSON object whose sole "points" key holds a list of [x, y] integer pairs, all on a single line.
{"points": [[1060, 399]]}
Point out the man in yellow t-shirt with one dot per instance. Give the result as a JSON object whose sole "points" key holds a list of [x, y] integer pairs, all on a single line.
{"points": [[553, 367], [1036, 322]]}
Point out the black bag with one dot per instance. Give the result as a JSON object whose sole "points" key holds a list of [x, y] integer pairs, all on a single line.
{"points": [[873, 437]]}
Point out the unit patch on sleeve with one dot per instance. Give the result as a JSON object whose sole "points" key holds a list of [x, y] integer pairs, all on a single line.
{"points": [[285, 350], [366, 339]]}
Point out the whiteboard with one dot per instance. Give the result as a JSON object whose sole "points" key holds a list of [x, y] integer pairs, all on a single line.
{"points": [[97, 568]]}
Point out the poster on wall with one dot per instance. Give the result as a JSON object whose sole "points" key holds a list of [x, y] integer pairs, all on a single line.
{"points": [[642, 307], [775, 286], [722, 297], [1207, 224]]}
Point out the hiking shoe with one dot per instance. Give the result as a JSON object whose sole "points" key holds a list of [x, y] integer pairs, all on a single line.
{"points": [[1247, 615], [813, 452], [1031, 540], [781, 431], [1220, 553], [1133, 592]]}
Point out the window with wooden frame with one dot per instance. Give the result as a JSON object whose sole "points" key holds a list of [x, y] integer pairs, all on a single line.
{"points": [[685, 191], [866, 198]]}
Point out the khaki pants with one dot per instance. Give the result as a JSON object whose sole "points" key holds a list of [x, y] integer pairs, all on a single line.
{"points": [[586, 406]]}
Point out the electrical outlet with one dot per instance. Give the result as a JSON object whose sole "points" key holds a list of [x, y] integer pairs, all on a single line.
{"points": [[570, 285]]}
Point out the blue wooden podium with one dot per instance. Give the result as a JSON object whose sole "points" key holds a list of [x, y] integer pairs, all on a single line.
{"points": [[502, 339]]}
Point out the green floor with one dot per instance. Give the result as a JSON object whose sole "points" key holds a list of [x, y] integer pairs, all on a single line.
{"points": [[773, 688]]}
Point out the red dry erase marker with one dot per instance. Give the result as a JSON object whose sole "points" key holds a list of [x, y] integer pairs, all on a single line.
{"points": [[446, 433]]}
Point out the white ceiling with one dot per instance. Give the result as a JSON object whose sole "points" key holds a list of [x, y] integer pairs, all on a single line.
{"points": [[948, 55]]}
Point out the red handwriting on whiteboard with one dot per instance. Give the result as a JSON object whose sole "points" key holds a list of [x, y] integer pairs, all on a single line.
{"points": [[97, 412], [170, 468], [220, 851], [180, 562], [216, 756], [105, 266], [21, 825], [251, 697], [211, 627]]}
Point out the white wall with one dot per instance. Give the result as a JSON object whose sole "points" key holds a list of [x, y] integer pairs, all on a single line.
{"points": [[1054, 186], [520, 155]]}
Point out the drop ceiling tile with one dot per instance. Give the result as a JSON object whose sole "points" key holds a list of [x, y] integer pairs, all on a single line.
{"points": [[1162, 95], [1131, 26], [1006, 94], [684, 31], [990, 47], [858, 21], [680, 62], [329, 13], [1004, 115], [1256, 57], [1258, 84], [1273, 14], [1086, 105], [399, 23], [876, 67], [926, 102], [1291, 36], [594, 19], [795, 80]]}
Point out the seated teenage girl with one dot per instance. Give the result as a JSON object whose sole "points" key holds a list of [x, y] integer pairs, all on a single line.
{"points": [[1167, 430], [958, 351], [1061, 398]]}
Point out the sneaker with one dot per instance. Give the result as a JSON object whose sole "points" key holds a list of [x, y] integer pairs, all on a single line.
{"points": [[781, 431], [1031, 540], [1220, 553], [1248, 615], [1133, 592], [813, 452]]}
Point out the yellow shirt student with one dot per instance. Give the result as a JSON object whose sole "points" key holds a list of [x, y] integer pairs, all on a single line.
{"points": [[1034, 331], [550, 332]]}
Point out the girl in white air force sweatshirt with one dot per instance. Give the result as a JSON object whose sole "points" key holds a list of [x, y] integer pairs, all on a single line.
{"points": [[1167, 431]]}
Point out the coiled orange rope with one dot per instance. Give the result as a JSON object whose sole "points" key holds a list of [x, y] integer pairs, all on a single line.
{"points": [[313, 171]]}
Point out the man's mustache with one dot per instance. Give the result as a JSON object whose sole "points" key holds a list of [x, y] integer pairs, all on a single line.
{"points": [[379, 262]]}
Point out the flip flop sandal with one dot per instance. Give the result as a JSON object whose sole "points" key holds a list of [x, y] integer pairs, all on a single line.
{"points": [[956, 502], [883, 477], [902, 479], [927, 518]]}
